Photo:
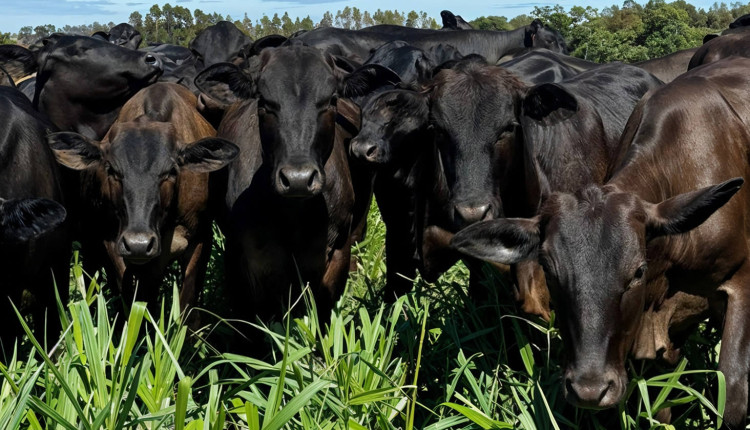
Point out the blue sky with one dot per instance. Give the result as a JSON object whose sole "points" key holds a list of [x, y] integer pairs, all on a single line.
{"points": [[18, 13]]}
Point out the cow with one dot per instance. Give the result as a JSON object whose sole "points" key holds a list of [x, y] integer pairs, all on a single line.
{"points": [[670, 66], [493, 45], [146, 189], [665, 223], [454, 22], [34, 243], [83, 82], [721, 47], [290, 198]]}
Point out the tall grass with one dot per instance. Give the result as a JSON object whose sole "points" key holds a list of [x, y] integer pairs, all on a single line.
{"points": [[433, 360]]}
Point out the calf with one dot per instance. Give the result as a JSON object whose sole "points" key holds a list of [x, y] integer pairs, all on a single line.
{"points": [[653, 231], [146, 185]]}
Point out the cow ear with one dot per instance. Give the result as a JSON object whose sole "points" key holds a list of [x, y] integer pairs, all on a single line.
{"points": [[505, 241], [709, 37], [449, 20], [270, 41], [74, 150], [24, 219], [367, 79], [17, 61], [687, 211], [550, 103], [225, 83], [207, 155], [536, 25]]}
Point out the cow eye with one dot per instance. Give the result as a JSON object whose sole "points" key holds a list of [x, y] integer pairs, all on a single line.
{"points": [[111, 172], [170, 175], [639, 272]]}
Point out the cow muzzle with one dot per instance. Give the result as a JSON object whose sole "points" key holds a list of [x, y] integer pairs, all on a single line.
{"points": [[300, 181], [594, 390], [467, 214], [139, 247], [372, 152]]}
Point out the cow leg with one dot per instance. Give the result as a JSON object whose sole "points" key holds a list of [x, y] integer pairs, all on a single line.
{"points": [[334, 281], [734, 359], [394, 202], [532, 290], [194, 262]]}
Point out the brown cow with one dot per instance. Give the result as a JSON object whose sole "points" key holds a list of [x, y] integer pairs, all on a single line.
{"points": [[147, 187], [652, 232]]}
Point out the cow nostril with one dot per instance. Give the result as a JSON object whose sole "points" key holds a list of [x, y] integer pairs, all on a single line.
{"points": [[311, 181], [283, 179], [371, 151], [151, 245], [125, 246]]}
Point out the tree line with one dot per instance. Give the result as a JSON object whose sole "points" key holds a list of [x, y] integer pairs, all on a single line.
{"points": [[631, 32]]}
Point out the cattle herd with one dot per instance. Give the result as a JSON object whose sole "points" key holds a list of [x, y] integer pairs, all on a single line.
{"points": [[610, 193]]}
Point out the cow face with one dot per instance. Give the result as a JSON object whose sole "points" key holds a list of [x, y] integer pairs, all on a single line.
{"points": [[390, 121], [592, 246], [474, 109], [90, 68], [297, 91], [138, 168]]}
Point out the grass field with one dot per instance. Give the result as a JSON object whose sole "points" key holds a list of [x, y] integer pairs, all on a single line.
{"points": [[432, 360]]}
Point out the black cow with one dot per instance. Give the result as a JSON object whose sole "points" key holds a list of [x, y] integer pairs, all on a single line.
{"points": [[83, 82], [290, 196], [145, 188], [454, 22], [492, 45], [34, 254], [655, 229], [410, 63]]}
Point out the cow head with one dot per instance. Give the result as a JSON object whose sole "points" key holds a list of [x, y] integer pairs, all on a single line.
{"points": [[592, 246], [137, 167], [125, 35], [22, 220], [474, 112], [390, 121], [297, 89], [90, 68], [545, 37]]}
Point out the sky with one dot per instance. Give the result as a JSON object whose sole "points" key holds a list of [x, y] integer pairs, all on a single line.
{"points": [[15, 14]]}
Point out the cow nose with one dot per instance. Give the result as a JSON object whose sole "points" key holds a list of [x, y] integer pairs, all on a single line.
{"points": [[139, 247], [370, 151], [594, 391], [299, 181], [469, 214]]}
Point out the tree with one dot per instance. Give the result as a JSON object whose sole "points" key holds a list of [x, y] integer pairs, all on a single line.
{"points": [[499, 23], [327, 20], [136, 20]]}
